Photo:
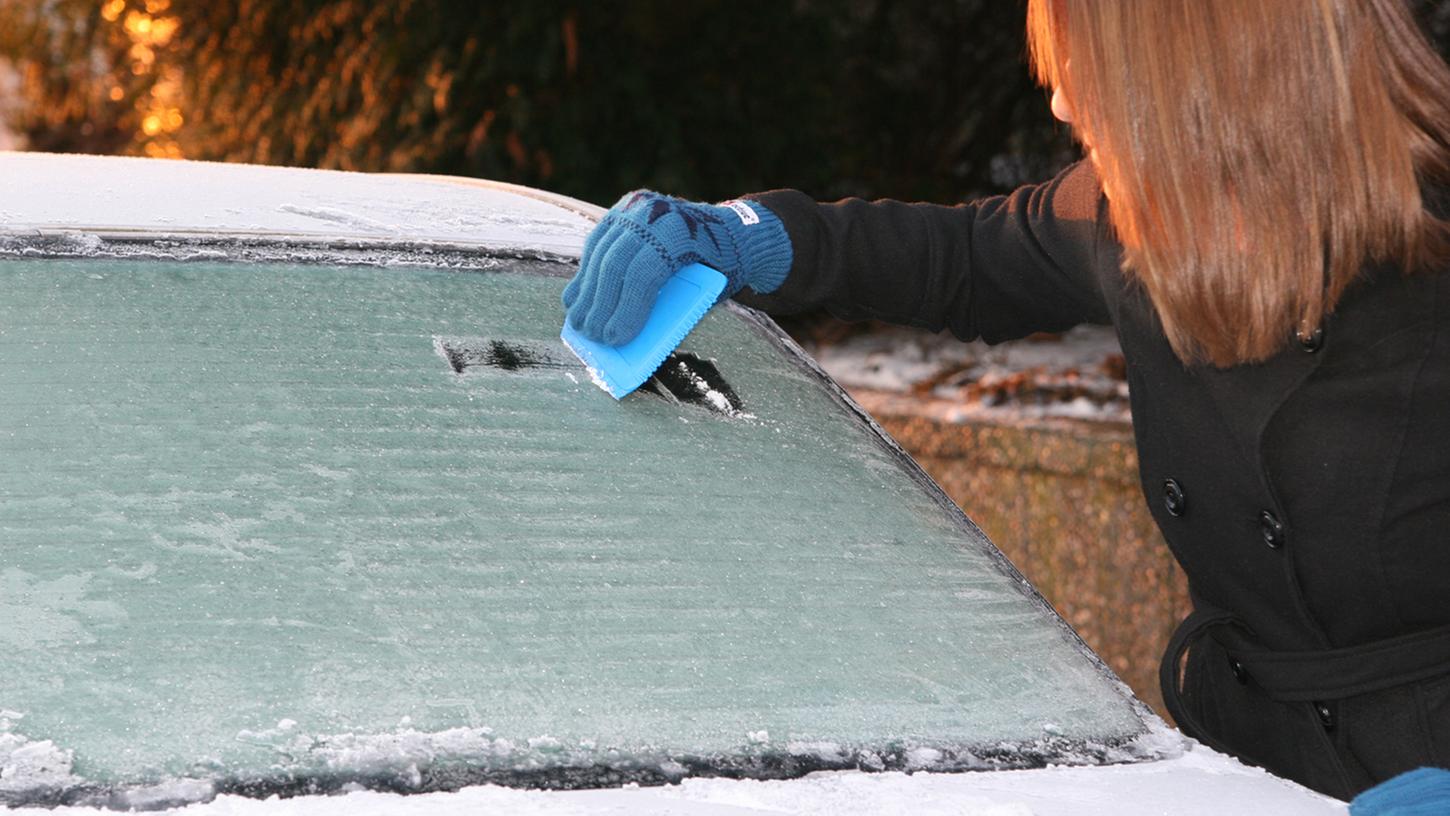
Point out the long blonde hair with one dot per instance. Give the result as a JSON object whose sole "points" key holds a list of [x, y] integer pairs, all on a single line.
{"points": [[1255, 153]]}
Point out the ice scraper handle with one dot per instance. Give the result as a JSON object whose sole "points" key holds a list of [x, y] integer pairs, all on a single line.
{"points": [[647, 237]]}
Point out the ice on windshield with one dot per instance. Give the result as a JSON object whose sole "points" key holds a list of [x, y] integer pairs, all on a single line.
{"points": [[274, 528]]}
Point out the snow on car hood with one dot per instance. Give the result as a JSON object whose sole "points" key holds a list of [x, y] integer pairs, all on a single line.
{"points": [[1198, 783], [47, 192]]}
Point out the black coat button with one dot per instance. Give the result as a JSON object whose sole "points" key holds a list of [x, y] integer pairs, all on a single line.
{"points": [[1240, 673], [1174, 500], [1326, 715], [1311, 342], [1272, 530]]}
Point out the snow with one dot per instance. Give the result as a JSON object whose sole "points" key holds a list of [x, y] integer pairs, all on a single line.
{"points": [[1077, 375], [1190, 780], [128, 244], [597, 377], [107, 195], [28, 764], [1197, 783]]}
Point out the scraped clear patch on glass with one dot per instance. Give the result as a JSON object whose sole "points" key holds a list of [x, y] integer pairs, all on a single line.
{"points": [[274, 528]]}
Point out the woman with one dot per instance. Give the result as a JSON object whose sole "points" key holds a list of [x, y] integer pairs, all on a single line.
{"points": [[1260, 217]]}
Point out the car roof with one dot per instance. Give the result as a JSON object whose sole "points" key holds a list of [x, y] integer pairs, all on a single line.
{"points": [[119, 197]]}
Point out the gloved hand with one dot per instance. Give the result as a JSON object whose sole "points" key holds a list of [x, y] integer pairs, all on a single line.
{"points": [[1420, 792], [647, 237]]}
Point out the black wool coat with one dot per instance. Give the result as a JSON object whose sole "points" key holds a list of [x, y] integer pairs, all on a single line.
{"points": [[1307, 497]]}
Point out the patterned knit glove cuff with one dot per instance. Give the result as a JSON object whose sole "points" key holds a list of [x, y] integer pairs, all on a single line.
{"points": [[765, 250]]}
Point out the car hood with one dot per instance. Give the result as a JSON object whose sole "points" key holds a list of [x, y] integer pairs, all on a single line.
{"points": [[1200, 782]]}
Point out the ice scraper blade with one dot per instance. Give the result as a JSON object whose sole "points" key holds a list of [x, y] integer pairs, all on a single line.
{"points": [[683, 301]]}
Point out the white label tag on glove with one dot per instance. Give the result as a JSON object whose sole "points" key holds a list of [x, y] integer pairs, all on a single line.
{"points": [[747, 215]]}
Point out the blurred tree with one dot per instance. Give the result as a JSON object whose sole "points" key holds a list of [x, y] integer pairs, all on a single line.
{"points": [[76, 90], [1436, 16], [708, 98], [925, 99]]}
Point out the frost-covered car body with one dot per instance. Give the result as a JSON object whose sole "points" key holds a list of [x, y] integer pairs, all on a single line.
{"points": [[304, 496]]}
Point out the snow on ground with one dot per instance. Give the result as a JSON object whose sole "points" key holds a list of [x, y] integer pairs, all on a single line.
{"points": [[1075, 375]]}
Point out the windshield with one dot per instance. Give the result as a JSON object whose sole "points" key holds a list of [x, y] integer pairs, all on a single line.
{"points": [[277, 528]]}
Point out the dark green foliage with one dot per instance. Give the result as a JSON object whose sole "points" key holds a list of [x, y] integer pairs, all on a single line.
{"points": [[705, 98], [62, 101], [925, 99]]}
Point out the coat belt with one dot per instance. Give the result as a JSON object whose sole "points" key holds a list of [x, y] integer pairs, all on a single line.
{"points": [[1332, 674], [1302, 676]]}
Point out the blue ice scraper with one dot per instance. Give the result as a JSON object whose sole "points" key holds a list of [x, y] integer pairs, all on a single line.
{"points": [[683, 300]]}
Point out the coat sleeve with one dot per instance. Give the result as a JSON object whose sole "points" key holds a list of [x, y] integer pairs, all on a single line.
{"points": [[998, 268]]}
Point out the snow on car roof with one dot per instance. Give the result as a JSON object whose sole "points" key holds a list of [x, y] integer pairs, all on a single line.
{"points": [[107, 195]]}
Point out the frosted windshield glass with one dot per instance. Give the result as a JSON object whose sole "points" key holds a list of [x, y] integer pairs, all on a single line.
{"points": [[271, 527]]}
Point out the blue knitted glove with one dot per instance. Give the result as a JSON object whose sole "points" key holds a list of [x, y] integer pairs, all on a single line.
{"points": [[1422, 792], [647, 237]]}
